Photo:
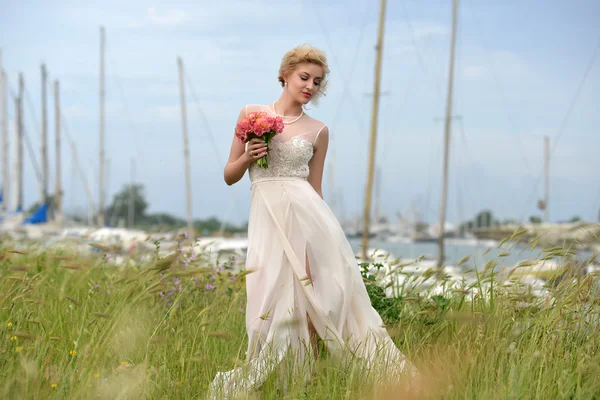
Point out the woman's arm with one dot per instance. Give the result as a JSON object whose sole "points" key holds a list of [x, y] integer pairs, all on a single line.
{"points": [[239, 158], [317, 163]]}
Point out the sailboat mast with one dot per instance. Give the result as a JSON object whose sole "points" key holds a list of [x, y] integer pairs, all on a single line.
{"points": [[4, 128], [101, 155], [131, 208], [18, 179], [57, 127], [44, 139], [546, 176], [186, 151], [447, 121], [373, 139]]}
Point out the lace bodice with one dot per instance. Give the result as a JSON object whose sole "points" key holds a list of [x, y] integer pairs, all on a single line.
{"points": [[290, 151]]}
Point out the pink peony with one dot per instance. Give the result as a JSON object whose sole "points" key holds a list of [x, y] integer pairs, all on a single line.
{"points": [[259, 125]]}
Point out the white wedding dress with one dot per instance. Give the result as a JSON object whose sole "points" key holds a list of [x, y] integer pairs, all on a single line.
{"points": [[293, 232]]}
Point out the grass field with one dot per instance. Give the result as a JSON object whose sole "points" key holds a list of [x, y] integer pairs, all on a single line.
{"points": [[77, 327]]}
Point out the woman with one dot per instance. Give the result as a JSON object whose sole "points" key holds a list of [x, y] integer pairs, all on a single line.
{"points": [[305, 280]]}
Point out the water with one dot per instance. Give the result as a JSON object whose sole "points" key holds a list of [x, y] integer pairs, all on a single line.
{"points": [[456, 250]]}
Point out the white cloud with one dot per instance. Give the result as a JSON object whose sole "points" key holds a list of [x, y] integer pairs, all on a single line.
{"points": [[76, 112], [170, 17], [474, 72], [426, 29], [499, 64], [172, 112]]}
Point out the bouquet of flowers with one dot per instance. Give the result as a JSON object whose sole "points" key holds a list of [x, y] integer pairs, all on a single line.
{"points": [[261, 126]]}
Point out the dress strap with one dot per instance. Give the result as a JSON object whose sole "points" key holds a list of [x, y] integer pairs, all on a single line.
{"points": [[318, 133]]}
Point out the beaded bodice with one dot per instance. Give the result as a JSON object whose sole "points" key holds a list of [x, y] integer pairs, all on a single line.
{"points": [[290, 151], [287, 158]]}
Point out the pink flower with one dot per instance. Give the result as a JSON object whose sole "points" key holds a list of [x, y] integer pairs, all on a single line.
{"points": [[257, 124], [262, 125], [279, 125]]}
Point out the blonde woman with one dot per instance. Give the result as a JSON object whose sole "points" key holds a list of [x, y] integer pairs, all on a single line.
{"points": [[305, 281]]}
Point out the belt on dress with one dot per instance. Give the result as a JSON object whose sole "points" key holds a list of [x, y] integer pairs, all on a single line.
{"points": [[277, 179]]}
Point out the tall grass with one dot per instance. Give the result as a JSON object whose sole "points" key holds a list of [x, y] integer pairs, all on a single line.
{"points": [[77, 327]]}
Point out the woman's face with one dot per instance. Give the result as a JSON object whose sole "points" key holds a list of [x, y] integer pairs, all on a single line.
{"points": [[303, 82]]}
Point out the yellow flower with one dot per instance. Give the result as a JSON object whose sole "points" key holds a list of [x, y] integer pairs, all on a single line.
{"points": [[9, 325], [124, 363], [19, 349], [13, 338], [73, 353], [96, 376], [54, 386]]}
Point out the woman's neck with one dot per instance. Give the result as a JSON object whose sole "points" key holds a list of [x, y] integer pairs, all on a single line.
{"points": [[287, 107]]}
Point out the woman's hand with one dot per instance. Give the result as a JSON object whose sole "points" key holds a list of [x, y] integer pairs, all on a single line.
{"points": [[255, 150]]}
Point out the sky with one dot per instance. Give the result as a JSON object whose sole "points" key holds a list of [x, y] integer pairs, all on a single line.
{"points": [[523, 70]]}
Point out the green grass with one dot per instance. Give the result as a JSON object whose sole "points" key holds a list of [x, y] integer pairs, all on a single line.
{"points": [[76, 327]]}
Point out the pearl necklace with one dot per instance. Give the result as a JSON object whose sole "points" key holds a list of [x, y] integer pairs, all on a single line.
{"points": [[282, 116]]}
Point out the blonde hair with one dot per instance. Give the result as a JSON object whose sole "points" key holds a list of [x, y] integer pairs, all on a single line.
{"points": [[304, 53]]}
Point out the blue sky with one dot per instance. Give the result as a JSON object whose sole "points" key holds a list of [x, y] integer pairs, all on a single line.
{"points": [[518, 68]]}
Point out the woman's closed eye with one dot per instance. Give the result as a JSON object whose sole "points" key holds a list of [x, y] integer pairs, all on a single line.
{"points": [[305, 78]]}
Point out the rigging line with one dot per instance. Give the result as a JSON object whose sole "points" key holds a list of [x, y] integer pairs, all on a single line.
{"points": [[470, 181], [459, 202], [417, 51], [501, 92], [31, 152], [575, 98], [64, 128], [32, 156], [204, 120], [432, 156], [353, 63], [338, 112], [32, 111], [86, 187], [467, 157], [25, 135], [73, 183], [457, 164], [470, 159], [49, 90], [566, 118], [598, 203], [125, 108], [334, 59], [234, 197]]}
